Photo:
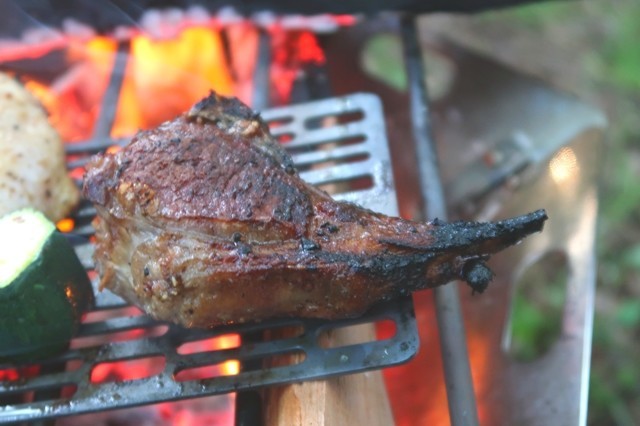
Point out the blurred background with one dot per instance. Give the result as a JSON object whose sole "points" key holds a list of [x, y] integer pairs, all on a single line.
{"points": [[591, 49]]}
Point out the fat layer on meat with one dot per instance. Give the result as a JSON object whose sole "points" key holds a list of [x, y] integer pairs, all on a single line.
{"points": [[204, 220]]}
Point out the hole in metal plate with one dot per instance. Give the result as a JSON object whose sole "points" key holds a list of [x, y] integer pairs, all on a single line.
{"points": [[538, 307], [289, 331], [105, 314], [277, 360], [284, 138], [276, 122], [119, 336], [227, 368], [343, 185], [331, 162], [349, 335], [73, 365], [128, 370], [324, 145], [231, 367], [382, 59], [225, 341], [332, 120], [8, 373]]}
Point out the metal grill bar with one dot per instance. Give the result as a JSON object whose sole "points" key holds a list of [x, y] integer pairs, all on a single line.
{"points": [[455, 358], [109, 106], [333, 155], [319, 362], [261, 83]]}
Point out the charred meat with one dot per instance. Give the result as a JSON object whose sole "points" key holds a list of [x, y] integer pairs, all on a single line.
{"points": [[205, 221]]}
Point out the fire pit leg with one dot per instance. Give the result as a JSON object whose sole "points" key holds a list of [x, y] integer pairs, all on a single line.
{"points": [[356, 399], [460, 394]]}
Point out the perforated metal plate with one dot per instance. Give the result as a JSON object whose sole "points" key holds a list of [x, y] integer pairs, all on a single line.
{"points": [[339, 144]]}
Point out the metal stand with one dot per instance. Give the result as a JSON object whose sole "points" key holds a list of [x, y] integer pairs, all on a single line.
{"points": [[460, 395]]}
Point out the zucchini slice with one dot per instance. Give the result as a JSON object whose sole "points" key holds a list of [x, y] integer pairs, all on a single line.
{"points": [[44, 288]]}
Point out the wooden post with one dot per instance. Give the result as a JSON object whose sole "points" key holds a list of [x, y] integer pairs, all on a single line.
{"points": [[356, 399]]}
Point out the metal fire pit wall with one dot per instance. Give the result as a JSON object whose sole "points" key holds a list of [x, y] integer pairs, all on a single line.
{"points": [[324, 153], [546, 147]]}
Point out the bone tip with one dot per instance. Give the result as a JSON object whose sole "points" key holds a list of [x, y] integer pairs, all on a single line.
{"points": [[528, 223]]}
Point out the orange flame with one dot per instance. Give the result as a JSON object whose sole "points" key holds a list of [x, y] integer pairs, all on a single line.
{"points": [[164, 78]]}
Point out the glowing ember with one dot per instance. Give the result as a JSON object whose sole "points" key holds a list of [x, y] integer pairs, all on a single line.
{"points": [[9, 375], [12, 374], [127, 370], [65, 225]]}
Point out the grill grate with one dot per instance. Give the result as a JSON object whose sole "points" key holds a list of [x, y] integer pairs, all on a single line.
{"points": [[337, 143]]}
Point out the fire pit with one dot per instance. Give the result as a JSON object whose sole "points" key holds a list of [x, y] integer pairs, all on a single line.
{"points": [[101, 87]]}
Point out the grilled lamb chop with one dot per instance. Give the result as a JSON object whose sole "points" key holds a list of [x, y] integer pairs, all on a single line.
{"points": [[205, 221]]}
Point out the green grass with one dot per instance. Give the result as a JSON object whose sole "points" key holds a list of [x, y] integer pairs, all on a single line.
{"points": [[536, 319], [537, 15], [621, 50]]}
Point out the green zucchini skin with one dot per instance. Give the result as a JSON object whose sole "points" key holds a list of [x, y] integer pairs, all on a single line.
{"points": [[41, 309]]}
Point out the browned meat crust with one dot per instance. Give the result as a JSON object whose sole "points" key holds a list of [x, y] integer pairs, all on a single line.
{"points": [[204, 221]]}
